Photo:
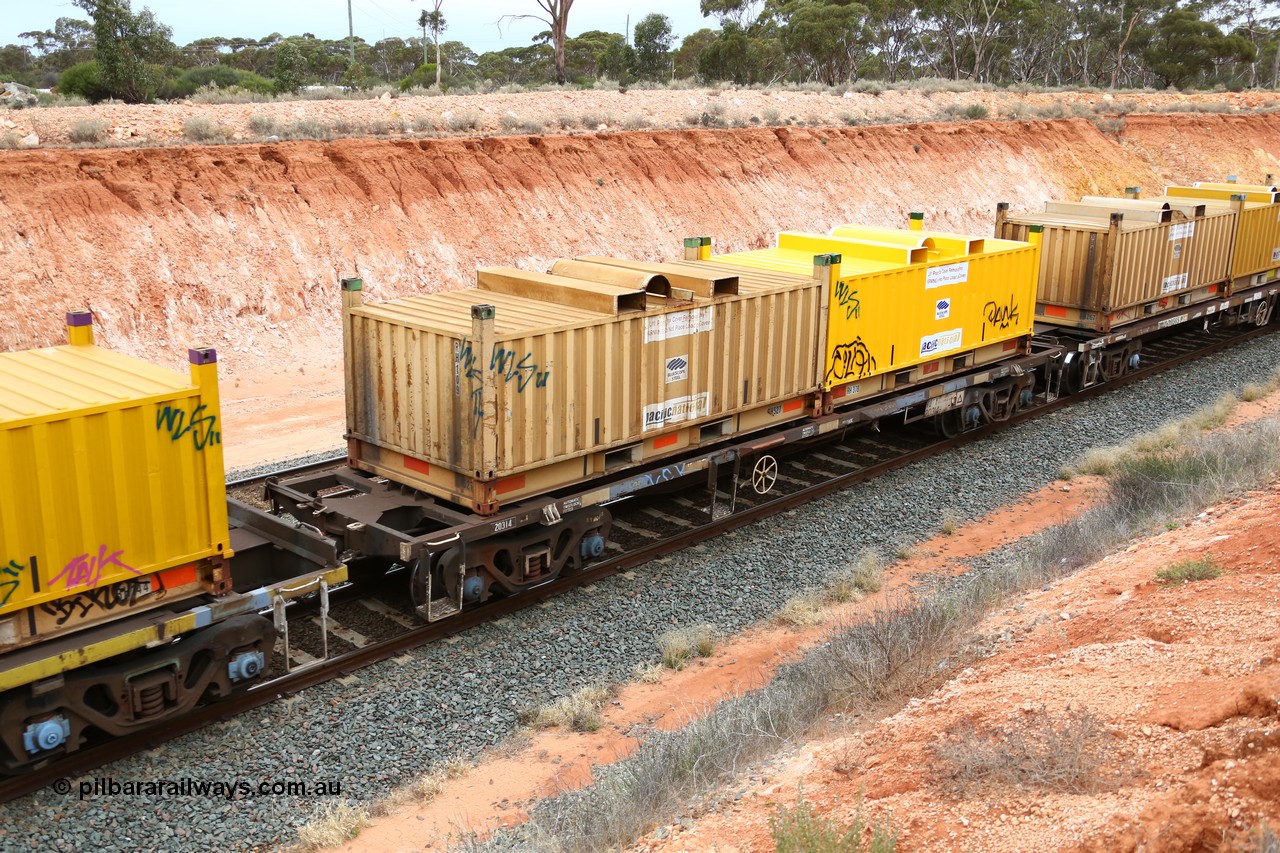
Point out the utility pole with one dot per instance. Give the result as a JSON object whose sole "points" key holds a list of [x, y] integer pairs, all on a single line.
{"points": [[351, 33]]}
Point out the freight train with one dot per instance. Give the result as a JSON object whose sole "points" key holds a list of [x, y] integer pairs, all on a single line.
{"points": [[490, 428]]}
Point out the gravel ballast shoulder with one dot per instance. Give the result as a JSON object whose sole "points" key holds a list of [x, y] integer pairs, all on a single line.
{"points": [[456, 698]]}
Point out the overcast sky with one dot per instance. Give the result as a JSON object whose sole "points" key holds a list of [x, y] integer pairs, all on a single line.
{"points": [[472, 22]]}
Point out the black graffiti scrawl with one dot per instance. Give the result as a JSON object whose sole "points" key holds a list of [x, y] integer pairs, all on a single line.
{"points": [[851, 362], [1001, 316]]}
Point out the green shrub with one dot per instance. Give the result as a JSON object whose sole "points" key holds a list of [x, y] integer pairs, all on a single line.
{"points": [[83, 80], [216, 77], [1203, 569], [975, 112], [799, 830]]}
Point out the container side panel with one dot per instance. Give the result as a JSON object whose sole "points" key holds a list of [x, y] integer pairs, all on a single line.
{"points": [[105, 499], [1258, 248]]}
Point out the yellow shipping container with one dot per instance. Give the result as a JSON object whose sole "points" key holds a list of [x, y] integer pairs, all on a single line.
{"points": [[1257, 235], [909, 305], [113, 497]]}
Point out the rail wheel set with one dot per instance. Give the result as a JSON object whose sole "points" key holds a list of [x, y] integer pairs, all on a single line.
{"points": [[489, 429]]}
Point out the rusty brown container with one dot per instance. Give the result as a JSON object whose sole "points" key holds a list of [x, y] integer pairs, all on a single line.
{"points": [[1106, 262], [535, 381]]}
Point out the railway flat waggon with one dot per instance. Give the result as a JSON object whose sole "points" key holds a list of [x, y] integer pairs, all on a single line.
{"points": [[132, 590]]}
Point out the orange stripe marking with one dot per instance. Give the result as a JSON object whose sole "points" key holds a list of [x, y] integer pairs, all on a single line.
{"points": [[509, 485], [417, 465]]}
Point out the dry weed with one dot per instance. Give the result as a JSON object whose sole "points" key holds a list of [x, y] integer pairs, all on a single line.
{"points": [[332, 825], [1058, 752], [801, 611], [578, 711]]}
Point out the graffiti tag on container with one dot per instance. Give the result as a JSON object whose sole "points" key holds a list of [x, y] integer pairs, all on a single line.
{"points": [[124, 594], [1002, 316], [850, 362], [503, 362], [848, 297], [86, 569], [201, 427], [507, 364], [8, 587]]}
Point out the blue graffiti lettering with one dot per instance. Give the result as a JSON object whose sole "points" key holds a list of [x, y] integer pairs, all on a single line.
{"points": [[199, 426], [508, 365], [503, 362], [647, 479]]}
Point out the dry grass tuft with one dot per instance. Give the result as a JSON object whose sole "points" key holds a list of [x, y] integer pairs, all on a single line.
{"points": [[578, 711], [427, 786], [204, 129], [950, 522], [680, 646], [89, 130], [332, 825], [859, 578], [801, 611], [649, 673]]}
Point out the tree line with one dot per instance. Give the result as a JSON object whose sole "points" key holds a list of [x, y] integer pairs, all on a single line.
{"points": [[118, 53]]}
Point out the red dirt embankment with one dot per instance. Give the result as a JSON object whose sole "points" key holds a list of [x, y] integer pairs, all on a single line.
{"points": [[241, 246]]}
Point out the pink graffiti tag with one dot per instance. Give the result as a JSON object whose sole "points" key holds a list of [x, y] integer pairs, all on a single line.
{"points": [[86, 570]]}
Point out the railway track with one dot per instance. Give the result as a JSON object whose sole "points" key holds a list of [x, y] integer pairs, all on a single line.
{"points": [[369, 622]]}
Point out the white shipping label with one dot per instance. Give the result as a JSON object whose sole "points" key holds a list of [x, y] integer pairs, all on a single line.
{"points": [[948, 274], [1275, 254], [942, 309], [1174, 282], [940, 342], [678, 324], [1182, 229], [677, 368], [677, 409]]}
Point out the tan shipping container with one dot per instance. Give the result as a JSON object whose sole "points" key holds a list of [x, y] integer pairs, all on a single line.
{"points": [[532, 382], [1105, 262]]}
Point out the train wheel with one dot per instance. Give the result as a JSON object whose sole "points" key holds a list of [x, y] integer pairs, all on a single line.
{"points": [[950, 423]]}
